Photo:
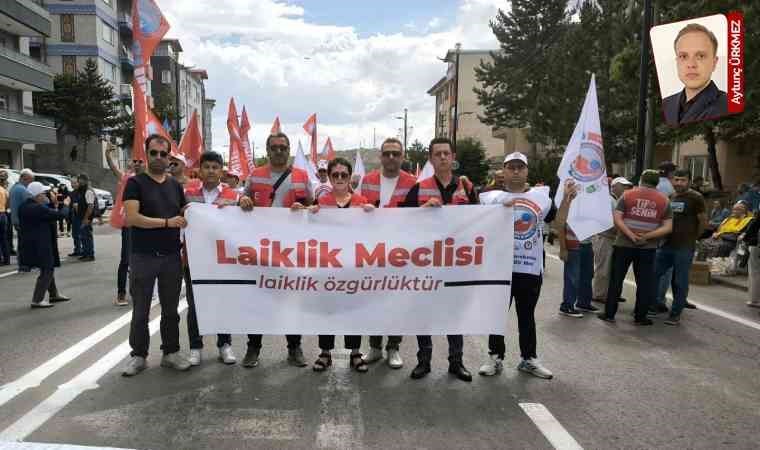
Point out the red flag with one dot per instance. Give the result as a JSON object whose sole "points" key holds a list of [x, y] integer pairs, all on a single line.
{"points": [[146, 124], [148, 28], [191, 144], [328, 152], [238, 161], [311, 129], [276, 126], [245, 127]]}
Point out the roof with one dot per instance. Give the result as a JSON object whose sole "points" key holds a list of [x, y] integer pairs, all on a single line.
{"points": [[200, 72], [176, 46], [437, 86]]}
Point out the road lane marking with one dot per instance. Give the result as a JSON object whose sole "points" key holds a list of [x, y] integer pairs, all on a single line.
{"points": [[550, 427], [700, 306], [36, 376], [7, 274], [67, 392]]}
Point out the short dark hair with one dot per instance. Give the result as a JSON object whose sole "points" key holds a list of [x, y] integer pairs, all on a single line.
{"points": [[156, 137], [650, 178], [277, 136], [682, 173], [212, 157], [697, 28], [666, 168], [392, 140], [340, 162], [440, 140]]}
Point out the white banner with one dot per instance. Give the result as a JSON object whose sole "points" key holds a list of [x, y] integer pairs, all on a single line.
{"points": [[391, 271]]}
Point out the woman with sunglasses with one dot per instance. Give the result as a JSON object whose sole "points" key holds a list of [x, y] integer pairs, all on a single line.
{"points": [[339, 172]]}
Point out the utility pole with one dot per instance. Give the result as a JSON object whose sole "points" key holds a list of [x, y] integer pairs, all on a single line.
{"points": [[406, 128], [374, 137], [458, 48], [643, 87]]}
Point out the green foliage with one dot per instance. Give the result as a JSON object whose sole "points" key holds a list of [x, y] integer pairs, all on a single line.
{"points": [[471, 156], [82, 105], [416, 154], [165, 108]]}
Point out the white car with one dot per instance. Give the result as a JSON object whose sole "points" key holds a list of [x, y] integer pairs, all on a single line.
{"points": [[105, 199]]}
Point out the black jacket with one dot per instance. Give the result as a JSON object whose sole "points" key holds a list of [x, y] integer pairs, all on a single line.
{"points": [[711, 103], [38, 234]]}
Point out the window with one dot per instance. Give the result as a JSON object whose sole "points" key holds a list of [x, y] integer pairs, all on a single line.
{"points": [[108, 2], [698, 166], [166, 77], [107, 32], [67, 28], [107, 70], [69, 64], [3, 102]]}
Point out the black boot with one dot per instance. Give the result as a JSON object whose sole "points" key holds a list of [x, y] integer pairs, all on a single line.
{"points": [[423, 364], [457, 368]]}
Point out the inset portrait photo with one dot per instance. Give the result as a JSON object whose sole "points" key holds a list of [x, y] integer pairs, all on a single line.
{"points": [[692, 68]]}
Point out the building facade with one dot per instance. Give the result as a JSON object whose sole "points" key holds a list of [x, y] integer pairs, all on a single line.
{"points": [[208, 111], [448, 93], [24, 24]]}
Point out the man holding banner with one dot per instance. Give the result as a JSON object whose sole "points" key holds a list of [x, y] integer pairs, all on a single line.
{"points": [[443, 188], [280, 186], [387, 188]]}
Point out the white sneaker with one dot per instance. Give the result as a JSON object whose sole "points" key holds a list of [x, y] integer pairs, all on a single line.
{"points": [[493, 366], [195, 357], [226, 355], [175, 361], [135, 365], [374, 354], [394, 359], [533, 367], [43, 304]]}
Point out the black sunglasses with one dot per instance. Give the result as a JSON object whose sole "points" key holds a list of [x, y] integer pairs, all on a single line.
{"points": [[155, 153], [391, 154], [279, 148], [137, 161], [340, 175]]}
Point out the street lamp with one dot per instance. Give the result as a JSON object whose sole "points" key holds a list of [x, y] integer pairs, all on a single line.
{"points": [[406, 129], [458, 48]]}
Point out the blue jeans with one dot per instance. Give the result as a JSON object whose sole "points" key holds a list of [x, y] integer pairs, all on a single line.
{"points": [[88, 242], [76, 226], [578, 276], [679, 261]]}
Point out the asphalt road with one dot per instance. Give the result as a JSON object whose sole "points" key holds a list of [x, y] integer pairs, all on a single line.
{"points": [[615, 386]]}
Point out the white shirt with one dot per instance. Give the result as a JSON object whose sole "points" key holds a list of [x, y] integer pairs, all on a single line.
{"points": [[211, 196], [387, 186], [322, 189]]}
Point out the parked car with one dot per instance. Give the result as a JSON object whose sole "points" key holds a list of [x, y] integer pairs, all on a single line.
{"points": [[105, 199]]}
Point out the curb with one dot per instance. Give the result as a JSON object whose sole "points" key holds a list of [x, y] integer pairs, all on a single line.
{"points": [[730, 284]]}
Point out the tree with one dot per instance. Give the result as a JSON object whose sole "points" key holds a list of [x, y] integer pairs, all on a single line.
{"points": [[165, 108], [471, 156], [417, 155], [82, 105]]}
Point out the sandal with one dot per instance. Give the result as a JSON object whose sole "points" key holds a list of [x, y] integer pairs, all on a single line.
{"points": [[358, 363], [322, 363]]}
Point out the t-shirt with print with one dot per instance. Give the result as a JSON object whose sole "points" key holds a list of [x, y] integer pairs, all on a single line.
{"points": [[623, 241], [686, 208]]}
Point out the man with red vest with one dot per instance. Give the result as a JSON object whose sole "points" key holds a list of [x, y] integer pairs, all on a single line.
{"points": [[211, 191], [278, 185], [642, 217], [387, 189], [443, 188]]}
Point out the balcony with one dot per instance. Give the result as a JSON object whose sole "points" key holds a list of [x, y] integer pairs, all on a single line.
{"points": [[125, 23], [26, 129], [28, 17], [22, 72], [126, 58]]}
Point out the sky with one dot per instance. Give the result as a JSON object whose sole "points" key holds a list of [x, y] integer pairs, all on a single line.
{"points": [[357, 64]]}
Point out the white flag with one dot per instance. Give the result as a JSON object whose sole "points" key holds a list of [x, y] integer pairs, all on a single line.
{"points": [[427, 171], [300, 162], [359, 168], [583, 161]]}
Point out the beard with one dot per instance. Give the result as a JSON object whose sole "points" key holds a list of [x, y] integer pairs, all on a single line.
{"points": [[156, 167]]}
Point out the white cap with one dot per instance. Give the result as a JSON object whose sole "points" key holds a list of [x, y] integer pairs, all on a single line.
{"points": [[322, 164], [516, 156], [621, 180], [179, 156], [36, 188]]}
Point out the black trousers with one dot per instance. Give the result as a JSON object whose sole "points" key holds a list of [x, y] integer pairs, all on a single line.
{"points": [[525, 292], [123, 270], [19, 246], [377, 342], [146, 269], [9, 230], [5, 250], [45, 282], [425, 348], [327, 342], [644, 272], [294, 341], [196, 340]]}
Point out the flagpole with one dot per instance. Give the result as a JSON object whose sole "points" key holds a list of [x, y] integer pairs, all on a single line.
{"points": [[643, 87]]}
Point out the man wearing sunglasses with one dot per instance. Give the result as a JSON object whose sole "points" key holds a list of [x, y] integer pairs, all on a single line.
{"points": [[386, 188], [278, 185], [177, 164], [155, 204], [118, 219]]}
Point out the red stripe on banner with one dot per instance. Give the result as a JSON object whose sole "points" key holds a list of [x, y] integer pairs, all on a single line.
{"points": [[735, 62]]}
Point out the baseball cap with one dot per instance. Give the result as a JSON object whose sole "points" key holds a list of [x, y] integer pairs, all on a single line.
{"points": [[179, 157], [322, 165], [36, 188], [621, 180], [516, 156]]}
